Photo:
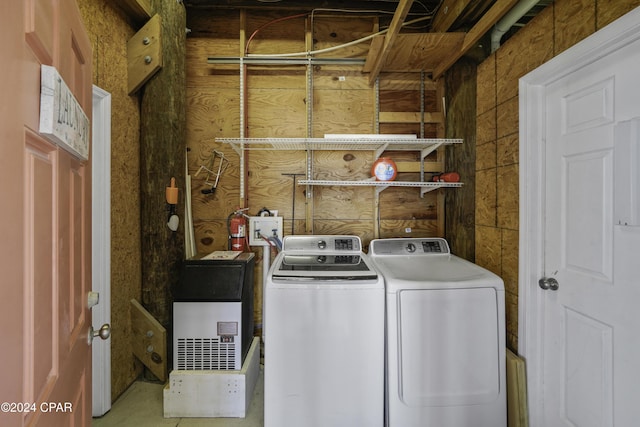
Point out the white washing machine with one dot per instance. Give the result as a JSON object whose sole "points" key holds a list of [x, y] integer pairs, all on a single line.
{"points": [[323, 335], [445, 336]]}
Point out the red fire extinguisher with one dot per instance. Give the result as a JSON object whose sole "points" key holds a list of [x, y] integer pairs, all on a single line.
{"points": [[237, 226]]}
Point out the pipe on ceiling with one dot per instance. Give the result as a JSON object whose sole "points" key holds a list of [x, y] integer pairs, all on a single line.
{"points": [[508, 20]]}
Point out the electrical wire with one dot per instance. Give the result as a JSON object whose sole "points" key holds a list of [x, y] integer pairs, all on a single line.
{"points": [[275, 21], [345, 45], [333, 48]]}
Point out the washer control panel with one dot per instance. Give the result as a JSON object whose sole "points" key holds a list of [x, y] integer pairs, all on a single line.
{"points": [[312, 244], [409, 246], [434, 246]]}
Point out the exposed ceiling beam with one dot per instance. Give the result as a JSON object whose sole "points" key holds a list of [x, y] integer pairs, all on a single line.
{"points": [[294, 5], [139, 10], [488, 20], [396, 25], [416, 52], [449, 11]]}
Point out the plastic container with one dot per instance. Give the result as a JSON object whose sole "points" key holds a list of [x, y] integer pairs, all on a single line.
{"points": [[384, 169], [447, 177]]}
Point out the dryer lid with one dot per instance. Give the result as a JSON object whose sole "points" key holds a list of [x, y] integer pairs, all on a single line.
{"points": [[434, 269]]}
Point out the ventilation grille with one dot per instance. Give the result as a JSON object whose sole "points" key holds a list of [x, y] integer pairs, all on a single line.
{"points": [[199, 354]]}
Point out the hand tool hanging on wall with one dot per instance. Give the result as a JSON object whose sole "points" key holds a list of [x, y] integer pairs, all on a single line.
{"points": [[217, 165], [172, 200], [293, 207]]}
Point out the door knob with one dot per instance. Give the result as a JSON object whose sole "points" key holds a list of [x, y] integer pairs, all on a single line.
{"points": [[104, 332], [548, 283]]}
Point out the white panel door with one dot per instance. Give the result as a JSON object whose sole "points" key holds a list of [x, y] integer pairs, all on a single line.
{"points": [[590, 350]]}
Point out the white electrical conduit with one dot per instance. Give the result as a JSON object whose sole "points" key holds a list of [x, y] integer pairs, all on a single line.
{"points": [[508, 20], [190, 239], [266, 264]]}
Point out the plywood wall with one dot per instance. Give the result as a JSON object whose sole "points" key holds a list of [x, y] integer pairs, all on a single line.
{"points": [[460, 204], [276, 106], [109, 31], [557, 28]]}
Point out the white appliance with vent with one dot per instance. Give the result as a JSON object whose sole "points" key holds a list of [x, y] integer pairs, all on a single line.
{"points": [[215, 356], [207, 335], [213, 312], [445, 336], [324, 336]]}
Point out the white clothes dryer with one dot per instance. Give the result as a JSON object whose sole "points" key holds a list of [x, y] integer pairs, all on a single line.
{"points": [[445, 361]]}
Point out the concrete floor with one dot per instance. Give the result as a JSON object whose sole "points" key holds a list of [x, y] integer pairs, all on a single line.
{"points": [[141, 406]]}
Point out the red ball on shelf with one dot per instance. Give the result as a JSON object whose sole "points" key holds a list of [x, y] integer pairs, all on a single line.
{"points": [[384, 169]]}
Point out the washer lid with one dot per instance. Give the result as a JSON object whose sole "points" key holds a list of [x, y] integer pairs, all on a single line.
{"points": [[322, 267]]}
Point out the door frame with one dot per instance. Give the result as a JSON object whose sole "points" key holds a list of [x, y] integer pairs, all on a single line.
{"points": [[101, 247], [532, 87]]}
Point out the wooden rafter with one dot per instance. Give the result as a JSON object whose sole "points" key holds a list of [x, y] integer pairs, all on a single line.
{"points": [[449, 11], [415, 52], [433, 52], [396, 24], [488, 20], [139, 10]]}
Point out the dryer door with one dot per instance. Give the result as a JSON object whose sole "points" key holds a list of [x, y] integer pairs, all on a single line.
{"points": [[448, 347]]}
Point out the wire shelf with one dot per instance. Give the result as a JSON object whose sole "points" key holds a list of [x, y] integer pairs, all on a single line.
{"points": [[425, 187], [377, 143]]}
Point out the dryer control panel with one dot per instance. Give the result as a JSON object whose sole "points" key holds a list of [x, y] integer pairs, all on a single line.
{"points": [[403, 246]]}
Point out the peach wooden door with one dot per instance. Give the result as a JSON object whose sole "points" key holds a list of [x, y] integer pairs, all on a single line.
{"points": [[45, 242]]}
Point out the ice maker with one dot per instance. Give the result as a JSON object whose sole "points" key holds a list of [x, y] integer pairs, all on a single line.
{"points": [[213, 313]]}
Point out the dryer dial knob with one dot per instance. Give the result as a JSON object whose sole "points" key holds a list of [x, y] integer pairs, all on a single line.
{"points": [[411, 247], [322, 244]]}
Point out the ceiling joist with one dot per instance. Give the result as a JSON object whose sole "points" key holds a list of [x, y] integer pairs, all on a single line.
{"points": [[139, 10], [433, 52], [449, 11], [488, 20], [416, 52], [390, 38]]}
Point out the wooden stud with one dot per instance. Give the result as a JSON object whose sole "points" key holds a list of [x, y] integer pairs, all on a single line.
{"points": [[516, 391], [403, 117]]}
